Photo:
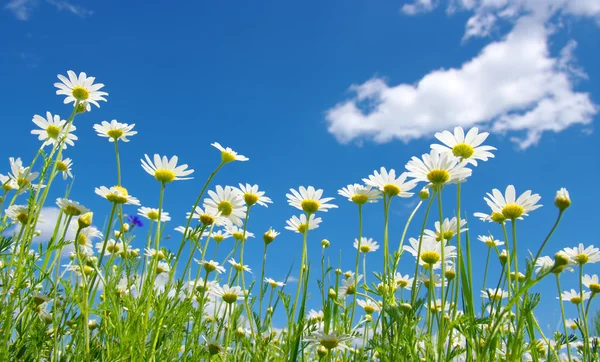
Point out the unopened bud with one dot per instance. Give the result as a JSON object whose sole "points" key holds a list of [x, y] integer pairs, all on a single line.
{"points": [[325, 243], [85, 220]]}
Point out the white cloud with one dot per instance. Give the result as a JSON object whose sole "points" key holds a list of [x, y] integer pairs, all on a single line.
{"points": [[22, 9], [513, 84], [418, 7], [67, 6]]}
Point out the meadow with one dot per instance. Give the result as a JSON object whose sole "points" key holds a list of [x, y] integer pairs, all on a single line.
{"points": [[111, 293]]}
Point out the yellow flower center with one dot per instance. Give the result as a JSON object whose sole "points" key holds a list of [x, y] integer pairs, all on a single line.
{"points": [[227, 157], [463, 150], [350, 290], [161, 269], [22, 182], [438, 177], [238, 267], [562, 202], [576, 300], [164, 176], [391, 190], [582, 259], [71, 210], [250, 199], [22, 217], [239, 235], [80, 93], [61, 166], [115, 133], [497, 217], [330, 342], [572, 326], [119, 198], [495, 296], [207, 219], [225, 207], [360, 199], [218, 238], [595, 288], [302, 228], [82, 239], [152, 215], [310, 206], [430, 257], [512, 211], [369, 309], [365, 248], [209, 267], [402, 283], [448, 234], [88, 270], [53, 131], [450, 274], [229, 297], [112, 248], [6, 187]]}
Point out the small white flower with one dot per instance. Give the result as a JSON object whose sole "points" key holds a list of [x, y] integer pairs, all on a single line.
{"points": [[152, 214], [228, 294], [348, 286], [238, 266], [494, 294], [226, 202], [467, 148], [366, 245], [582, 255], [163, 267], [403, 281], [574, 296], [64, 166], [369, 306], [331, 341], [387, 183], [227, 154], [309, 200], [80, 89], [52, 130], [117, 195], [360, 194], [509, 205], [437, 169], [449, 227], [431, 252], [238, 233], [252, 195], [18, 213], [211, 266], [299, 225], [273, 283], [490, 241], [115, 130], [165, 170], [71, 208]]}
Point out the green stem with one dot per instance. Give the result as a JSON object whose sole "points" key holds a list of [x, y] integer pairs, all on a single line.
{"points": [[564, 320]]}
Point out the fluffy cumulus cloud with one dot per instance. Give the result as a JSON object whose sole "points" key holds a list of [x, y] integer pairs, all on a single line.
{"points": [[513, 86]]}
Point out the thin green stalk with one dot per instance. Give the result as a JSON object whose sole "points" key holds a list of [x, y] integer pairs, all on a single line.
{"points": [[116, 142], [413, 291], [358, 251], [564, 320]]}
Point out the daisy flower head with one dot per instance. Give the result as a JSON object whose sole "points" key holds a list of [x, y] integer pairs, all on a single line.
{"points": [[546, 263], [331, 341], [431, 252], [239, 234], [436, 282], [369, 306], [574, 296], [449, 227], [64, 166], [571, 323], [208, 216], [112, 247], [239, 266], [165, 170], [509, 205], [309, 200], [152, 214], [465, 147], [86, 236], [211, 266], [52, 130], [299, 224], [252, 195], [314, 315], [494, 294], [360, 194], [490, 241], [562, 199], [71, 208], [228, 202], [582, 255], [117, 195], [403, 281], [390, 185], [366, 245], [274, 284], [21, 176], [228, 294], [227, 154], [348, 286], [115, 131], [163, 267], [270, 236], [592, 283], [80, 89], [18, 213], [8, 184], [438, 169], [220, 235]]}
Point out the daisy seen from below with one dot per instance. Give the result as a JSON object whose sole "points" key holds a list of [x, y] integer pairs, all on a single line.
{"points": [[64, 167], [369, 306], [8, 184], [152, 214], [309, 200], [52, 130], [18, 213], [545, 263], [390, 185], [403, 281], [269, 236], [228, 202], [117, 195], [348, 286], [208, 216], [112, 247], [239, 266], [21, 175], [574, 296], [252, 195], [366, 245], [490, 241], [274, 284], [449, 227], [360, 194], [437, 169], [165, 170], [466, 147], [509, 205], [115, 131], [220, 235], [582, 255], [494, 294], [80, 89], [71, 208], [238, 233], [431, 252], [228, 294], [562, 199], [592, 283], [331, 341], [211, 266], [227, 154], [299, 224]]}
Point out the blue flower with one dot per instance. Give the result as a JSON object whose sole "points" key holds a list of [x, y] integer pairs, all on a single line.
{"points": [[135, 221]]}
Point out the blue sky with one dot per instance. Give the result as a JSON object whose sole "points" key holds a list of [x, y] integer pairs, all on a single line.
{"points": [[319, 93]]}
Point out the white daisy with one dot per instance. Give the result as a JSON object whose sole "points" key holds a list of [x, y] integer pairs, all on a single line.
{"points": [[571, 323], [309, 200], [435, 305], [369, 306], [238, 266], [21, 176], [591, 282], [71, 208], [331, 341], [220, 235], [117, 195], [582, 255], [228, 294], [431, 252], [449, 227], [52, 130], [165, 170], [227, 154], [509, 205], [18, 213], [238, 233], [494, 294], [425, 278], [438, 169], [490, 241], [348, 286], [112, 247], [403, 281], [80, 89], [163, 267], [208, 216], [153, 253], [574, 297], [64, 167], [152, 214], [228, 202], [545, 263], [211, 266], [86, 236], [562, 199], [387, 183], [269, 236], [298, 225], [252, 196], [274, 284], [360, 194], [467, 148], [115, 131], [314, 315], [8, 183], [366, 245]]}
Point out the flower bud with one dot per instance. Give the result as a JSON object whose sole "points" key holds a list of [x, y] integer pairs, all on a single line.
{"points": [[322, 351], [405, 307], [562, 199], [325, 243], [503, 257], [85, 220], [331, 294], [424, 194]]}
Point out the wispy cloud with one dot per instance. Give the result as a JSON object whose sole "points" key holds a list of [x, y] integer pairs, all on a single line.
{"points": [[23, 9], [74, 9]]}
